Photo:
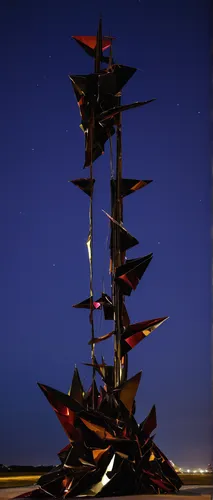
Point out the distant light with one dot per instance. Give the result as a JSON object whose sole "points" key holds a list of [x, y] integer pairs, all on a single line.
{"points": [[206, 470], [194, 471], [188, 470]]}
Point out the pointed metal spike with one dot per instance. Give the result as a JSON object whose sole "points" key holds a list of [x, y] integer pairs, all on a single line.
{"points": [[85, 304], [150, 422], [129, 186], [85, 185], [111, 113], [128, 391], [76, 390], [129, 274], [138, 331], [127, 241]]}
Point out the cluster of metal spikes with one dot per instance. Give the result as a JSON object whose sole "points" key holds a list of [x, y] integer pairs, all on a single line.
{"points": [[109, 453]]}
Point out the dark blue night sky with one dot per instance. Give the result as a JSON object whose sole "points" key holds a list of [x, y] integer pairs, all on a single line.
{"points": [[44, 220]]}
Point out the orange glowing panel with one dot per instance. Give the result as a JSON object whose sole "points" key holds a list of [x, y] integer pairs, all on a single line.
{"points": [[100, 431], [129, 186], [129, 274], [97, 454], [128, 391], [138, 331], [90, 41]]}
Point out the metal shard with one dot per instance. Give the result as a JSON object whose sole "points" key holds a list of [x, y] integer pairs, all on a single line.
{"points": [[129, 274], [97, 340], [125, 316], [95, 45], [150, 422], [129, 186], [105, 84], [111, 113], [85, 185], [128, 391], [60, 401], [107, 307], [63, 407], [76, 391], [90, 41], [104, 302], [127, 241], [85, 304], [62, 454], [97, 454], [98, 94], [92, 395], [105, 371], [137, 332], [100, 431]]}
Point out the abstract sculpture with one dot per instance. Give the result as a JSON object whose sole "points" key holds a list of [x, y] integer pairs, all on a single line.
{"points": [[108, 452]]}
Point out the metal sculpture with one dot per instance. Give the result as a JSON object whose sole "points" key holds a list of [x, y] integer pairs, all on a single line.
{"points": [[108, 453]]}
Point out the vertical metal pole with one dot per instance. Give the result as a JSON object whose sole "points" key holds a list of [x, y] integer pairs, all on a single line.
{"points": [[90, 138], [117, 259], [211, 111], [110, 55]]}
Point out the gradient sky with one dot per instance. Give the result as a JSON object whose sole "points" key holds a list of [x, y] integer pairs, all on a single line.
{"points": [[44, 220]]}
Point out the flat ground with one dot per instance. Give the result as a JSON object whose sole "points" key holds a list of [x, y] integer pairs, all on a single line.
{"points": [[197, 490], [9, 493], [205, 491], [11, 486]]}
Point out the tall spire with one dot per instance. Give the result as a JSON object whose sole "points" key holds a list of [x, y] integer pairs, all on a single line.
{"points": [[116, 255], [108, 453]]}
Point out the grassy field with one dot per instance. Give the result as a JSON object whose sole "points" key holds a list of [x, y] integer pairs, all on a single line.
{"points": [[9, 480], [24, 479], [201, 479]]}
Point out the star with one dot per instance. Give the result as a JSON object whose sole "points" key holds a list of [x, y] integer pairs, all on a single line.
{"points": [[33, 149], [66, 130], [198, 112], [53, 265], [158, 242], [178, 104], [50, 57]]}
